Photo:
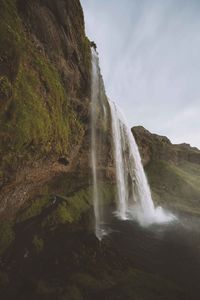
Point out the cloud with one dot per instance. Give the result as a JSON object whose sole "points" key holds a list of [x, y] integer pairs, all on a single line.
{"points": [[149, 56]]}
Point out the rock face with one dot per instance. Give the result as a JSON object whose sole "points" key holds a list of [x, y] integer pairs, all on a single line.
{"points": [[173, 170], [45, 62], [157, 147]]}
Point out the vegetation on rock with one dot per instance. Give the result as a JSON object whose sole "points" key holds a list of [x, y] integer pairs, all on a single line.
{"points": [[173, 170]]}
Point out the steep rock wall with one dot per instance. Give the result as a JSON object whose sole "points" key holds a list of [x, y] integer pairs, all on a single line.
{"points": [[45, 62]]}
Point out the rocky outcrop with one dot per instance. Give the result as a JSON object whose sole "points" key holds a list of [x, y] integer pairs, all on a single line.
{"points": [[173, 170], [157, 147]]}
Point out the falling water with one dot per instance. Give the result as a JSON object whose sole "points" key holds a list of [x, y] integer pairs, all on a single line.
{"points": [[134, 195], [98, 116], [133, 199]]}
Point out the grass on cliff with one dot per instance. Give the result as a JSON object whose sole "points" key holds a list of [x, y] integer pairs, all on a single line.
{"points": [[71, 208], [177, 186], [60, 209], [34, 208], [36, 117], [11, 39]]}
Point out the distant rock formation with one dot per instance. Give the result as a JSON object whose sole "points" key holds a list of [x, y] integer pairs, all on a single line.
{"points": [[157, 147], [173, 170]]}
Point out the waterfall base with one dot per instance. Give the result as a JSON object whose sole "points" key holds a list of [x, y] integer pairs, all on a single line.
{"points": [[157, 216]]}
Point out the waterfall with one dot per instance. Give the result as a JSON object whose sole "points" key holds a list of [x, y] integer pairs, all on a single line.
{"points": [[98, 116], [134, 195]]}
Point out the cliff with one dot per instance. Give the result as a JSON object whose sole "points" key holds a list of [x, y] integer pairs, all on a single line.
{"points": [[48, 249], [45, 62], [173, 170], [45, 91]]}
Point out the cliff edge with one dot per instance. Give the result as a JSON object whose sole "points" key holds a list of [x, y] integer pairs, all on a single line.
{"points": [[173, 170]]}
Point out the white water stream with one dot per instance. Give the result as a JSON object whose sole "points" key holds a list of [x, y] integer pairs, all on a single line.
{"points": [[98, 112], [134, 200], [134, 195]]}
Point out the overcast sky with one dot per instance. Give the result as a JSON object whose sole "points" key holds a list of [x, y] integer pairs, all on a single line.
{"points": [[150, 60]]}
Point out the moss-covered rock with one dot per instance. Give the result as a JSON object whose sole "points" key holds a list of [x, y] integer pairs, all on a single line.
{"points": [[71, 208], [33, 208], [175, 185], [45, 64], [173, 170]]}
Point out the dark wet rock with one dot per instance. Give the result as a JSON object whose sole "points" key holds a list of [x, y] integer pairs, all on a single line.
{"points": [[63, 161]]}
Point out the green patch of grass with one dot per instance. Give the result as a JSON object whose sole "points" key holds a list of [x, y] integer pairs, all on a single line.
{"points": [[86, 51], [38, 118], [11, 48], [71, 208], [37, 121], [7, 236], [60, 215], [176, 185], [33, 209], [5, 87]]}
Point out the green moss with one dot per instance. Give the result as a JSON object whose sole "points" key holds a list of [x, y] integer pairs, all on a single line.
{"points": [[32, 126], [38, 243], [10, 46], [175, 185], [5, 87], [7, 236], [73, 207], [33, 209], [86, 51], [38, 119], [60, 215], [70, 209]]}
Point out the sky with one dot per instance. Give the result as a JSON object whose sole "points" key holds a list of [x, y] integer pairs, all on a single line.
{"points": [[149, 54]]}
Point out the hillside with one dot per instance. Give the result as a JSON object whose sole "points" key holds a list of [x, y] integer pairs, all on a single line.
{"points": [[173, 170]]}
